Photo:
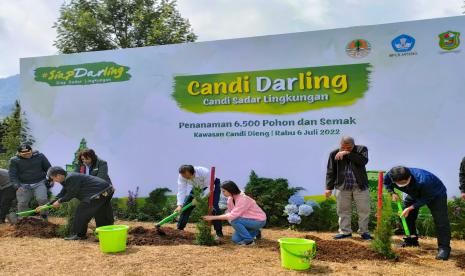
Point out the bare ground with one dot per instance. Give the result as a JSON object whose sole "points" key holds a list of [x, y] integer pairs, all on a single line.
{"points": [[27, 255]]}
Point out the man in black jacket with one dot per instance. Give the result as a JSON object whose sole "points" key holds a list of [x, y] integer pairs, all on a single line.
{"points": [[462, 178], [94, 194], [347, 174], [27, 174]]}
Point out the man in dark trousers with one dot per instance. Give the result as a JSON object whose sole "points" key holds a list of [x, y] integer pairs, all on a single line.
{"points": [[27, 172], [197, 176], [7, 194], [462, 178], [422, 188], [94, 194], [347, 174]]}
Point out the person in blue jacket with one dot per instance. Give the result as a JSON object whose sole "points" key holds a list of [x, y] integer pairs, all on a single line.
{"points": [[422, 188]]}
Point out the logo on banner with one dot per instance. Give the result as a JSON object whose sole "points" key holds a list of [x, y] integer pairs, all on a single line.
{"points": [[403, 43], [449, 40], [277, 91], [358, 48], [403, 46], [82, 74]]}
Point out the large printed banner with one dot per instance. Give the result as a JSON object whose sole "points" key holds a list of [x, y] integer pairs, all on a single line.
{"points": [[274, 104]]}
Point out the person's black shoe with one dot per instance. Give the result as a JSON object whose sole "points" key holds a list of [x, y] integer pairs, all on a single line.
{"points": [[366, 237], [75, 238], [342, 236], [410, 242], [443, 254], [259, 235]]}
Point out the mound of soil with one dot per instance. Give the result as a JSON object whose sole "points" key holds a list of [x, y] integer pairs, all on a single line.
{"points": [[143, 236], [346, 251], [34, 227]]}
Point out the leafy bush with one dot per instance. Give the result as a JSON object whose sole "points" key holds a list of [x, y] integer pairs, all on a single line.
{"points": [[456, 210], [272, 196], [382, 243], [323, 218], [156, 205]]}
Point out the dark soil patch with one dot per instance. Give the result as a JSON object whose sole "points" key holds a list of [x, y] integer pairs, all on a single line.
{"points": [[34, 227], [460, 261], [143, 236], [346, 251]]}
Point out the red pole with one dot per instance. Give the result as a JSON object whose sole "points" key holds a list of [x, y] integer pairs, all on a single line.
{"points": [[380, 196], [212, 187]]}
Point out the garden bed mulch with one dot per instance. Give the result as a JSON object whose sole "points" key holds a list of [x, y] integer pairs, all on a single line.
{"points": [[346, 251], [327, 250], [144, 236], [32, 227], [460, 261], [35, 227]]}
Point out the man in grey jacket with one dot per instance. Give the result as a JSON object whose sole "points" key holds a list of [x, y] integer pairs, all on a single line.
{"points": [[7, 194], [28, 170]]}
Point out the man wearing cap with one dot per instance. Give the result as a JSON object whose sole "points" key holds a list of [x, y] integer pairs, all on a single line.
{"points": [[27, 173], [422, 188], [7, 194], [93, 193]]}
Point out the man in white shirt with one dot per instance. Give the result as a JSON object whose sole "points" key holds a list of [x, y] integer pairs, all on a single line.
{"points": [[200, 177]]}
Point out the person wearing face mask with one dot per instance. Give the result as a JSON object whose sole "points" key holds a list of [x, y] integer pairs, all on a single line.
{"points": [[89, 163], [27, 173], [422, 188], [347, 174]]}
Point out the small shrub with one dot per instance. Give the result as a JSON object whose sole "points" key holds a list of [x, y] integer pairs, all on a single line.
{"points": [[203, 236], [382, 243]]}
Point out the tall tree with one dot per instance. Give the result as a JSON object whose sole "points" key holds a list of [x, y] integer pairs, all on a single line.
{"points": [[15, 131], [93, 25]]}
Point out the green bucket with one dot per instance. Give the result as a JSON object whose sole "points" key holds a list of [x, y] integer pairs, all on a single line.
{"points": [[296, 253], [112, 238]]}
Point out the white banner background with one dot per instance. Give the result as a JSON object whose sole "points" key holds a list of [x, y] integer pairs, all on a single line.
{"points": [[413, 113]]}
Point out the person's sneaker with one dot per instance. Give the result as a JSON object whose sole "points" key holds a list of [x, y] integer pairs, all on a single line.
{"points": [[443, 254], [247, 243], [219, 238], [366, 237], [342, 236], [258, 236], [75, 238], [410, 242]]}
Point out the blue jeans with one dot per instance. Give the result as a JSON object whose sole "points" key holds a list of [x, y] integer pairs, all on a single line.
{"points": [[217, 225], [245, 230]]}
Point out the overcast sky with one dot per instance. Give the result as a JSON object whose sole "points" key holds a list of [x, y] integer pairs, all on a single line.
{"points": [[25, 25]]}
